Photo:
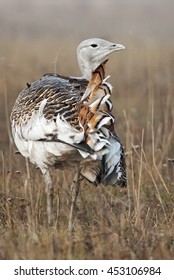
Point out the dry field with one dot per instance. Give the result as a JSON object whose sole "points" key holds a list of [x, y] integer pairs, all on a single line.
{"points": [[110, 223]]}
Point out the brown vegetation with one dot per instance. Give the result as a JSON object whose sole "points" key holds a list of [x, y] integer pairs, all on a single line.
{"points": [[110, 223]]}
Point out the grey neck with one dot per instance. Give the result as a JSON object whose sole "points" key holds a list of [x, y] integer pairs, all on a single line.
{"points": [[86, 69]]}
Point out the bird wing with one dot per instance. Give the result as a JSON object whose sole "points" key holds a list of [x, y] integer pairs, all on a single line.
{"points": [[47, 109]]}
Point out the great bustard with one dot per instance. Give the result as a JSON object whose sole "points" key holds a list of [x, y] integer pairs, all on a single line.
{"points": [[66, 122]]}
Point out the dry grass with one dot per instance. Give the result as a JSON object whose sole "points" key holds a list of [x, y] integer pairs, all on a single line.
{"points": [[110, 223]]}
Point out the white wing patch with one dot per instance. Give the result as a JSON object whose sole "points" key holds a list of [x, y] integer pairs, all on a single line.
{"points": [[38, 127], [68, 133]]}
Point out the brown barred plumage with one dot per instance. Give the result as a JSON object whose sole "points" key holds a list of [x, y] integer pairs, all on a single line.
{"points": [[62, 94], [92, 113]]}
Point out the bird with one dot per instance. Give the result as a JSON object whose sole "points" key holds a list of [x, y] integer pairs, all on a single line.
{"points": [[66, 122]]}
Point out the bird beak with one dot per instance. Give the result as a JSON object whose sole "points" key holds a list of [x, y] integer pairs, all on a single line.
{"points": [[117, 47]]}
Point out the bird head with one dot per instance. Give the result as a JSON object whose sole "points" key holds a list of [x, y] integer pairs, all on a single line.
{"points": [[92, 52]]}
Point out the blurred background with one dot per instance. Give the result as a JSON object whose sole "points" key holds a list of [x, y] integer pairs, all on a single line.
{"points": [[146, 20], [39, 36]]}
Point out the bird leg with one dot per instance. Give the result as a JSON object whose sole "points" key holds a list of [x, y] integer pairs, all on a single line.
{"points": [[75, 190], [49, 193]]}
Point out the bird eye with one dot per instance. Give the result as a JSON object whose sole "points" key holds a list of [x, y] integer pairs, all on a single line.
{"points": [[94, 45]]}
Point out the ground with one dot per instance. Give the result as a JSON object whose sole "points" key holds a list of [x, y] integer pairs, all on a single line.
{"points": [[111, 223]]}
